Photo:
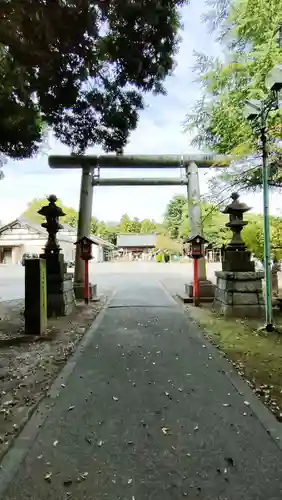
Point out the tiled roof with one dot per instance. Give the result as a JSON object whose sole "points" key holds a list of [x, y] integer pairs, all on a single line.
{"points": [[136, 240]]}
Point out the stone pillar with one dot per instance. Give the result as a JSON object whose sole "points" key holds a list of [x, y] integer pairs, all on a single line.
{"points": [[83, 229], [238, 289], [60, 296], [206, 288]]}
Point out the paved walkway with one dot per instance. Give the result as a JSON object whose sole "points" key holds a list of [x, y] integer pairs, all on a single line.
{"points": [[146, 414]]}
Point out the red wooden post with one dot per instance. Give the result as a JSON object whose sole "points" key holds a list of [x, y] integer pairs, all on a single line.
{"points": [[196, 283], [86, 281], [196, 245], [86, 255]]}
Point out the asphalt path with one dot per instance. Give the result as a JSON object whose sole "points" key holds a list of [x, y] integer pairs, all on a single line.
{"points": [[145, 412]]}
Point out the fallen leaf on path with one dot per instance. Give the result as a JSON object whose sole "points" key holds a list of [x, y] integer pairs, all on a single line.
{"points": [[165, 430]]}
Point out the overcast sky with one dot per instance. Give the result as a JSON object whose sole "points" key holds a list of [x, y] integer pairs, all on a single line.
{"points": [[160, 131]]}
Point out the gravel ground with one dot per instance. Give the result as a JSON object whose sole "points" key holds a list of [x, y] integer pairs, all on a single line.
{"points": [[27, 369]]}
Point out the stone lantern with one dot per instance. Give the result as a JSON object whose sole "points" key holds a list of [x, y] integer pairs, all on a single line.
{"points": [[238, 290], [236, 257], [60, 296], [52, 213]]}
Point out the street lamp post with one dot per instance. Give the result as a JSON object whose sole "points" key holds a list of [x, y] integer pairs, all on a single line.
{"points": [[259, 110]]}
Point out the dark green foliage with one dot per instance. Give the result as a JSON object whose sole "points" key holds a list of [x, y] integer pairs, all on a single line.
{"points": [[81, 67], [250, 35]]}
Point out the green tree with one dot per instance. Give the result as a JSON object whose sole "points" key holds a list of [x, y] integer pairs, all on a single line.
{"points": [[107, 232], [249, 35], [125, 225], [174, 215], [213, 222], [81, 67], [168, 245], [34, 205], [135, 226], [94, 226], [147, 226], [253, 235]]}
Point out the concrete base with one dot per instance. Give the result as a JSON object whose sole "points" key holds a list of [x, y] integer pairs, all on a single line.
{"points": [[239, 294], [78, 289], [189, 300], [206, 290]]}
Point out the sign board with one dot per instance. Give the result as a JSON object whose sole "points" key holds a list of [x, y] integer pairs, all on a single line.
{"points": [[35, 297], [43, 295]]}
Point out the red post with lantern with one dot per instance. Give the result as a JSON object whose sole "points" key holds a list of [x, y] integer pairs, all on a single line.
{"points": [[85, 244], [196, 251]]}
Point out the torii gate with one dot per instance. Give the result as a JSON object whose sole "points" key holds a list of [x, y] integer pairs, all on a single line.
{"points": [[91, 166]]}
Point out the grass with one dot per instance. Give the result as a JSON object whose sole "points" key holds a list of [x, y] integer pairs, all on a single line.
{"points": [[257, 356]]}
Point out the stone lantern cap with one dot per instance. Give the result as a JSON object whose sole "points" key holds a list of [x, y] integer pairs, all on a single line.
{"points": [[236, 206], [52, 210], [236, 211]]}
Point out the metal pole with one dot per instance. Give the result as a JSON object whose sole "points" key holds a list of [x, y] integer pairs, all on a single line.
{"points": [[84, 220], [267, 249]]}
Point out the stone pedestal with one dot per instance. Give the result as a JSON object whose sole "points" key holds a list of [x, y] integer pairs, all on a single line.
{"points": [[60, 295], [206, 290], [79, 291], [239, 294]]}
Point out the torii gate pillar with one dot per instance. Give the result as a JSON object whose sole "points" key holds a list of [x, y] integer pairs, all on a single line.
{"points": [[206, 287], [83, 229]]}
